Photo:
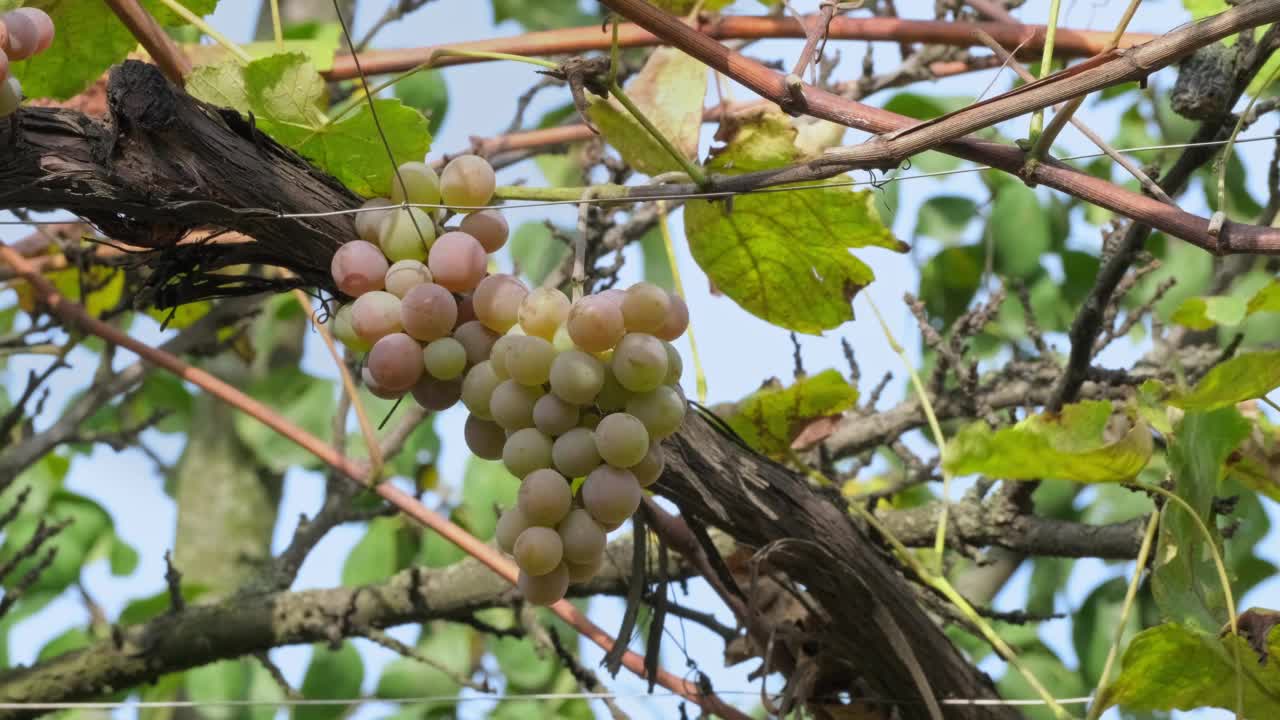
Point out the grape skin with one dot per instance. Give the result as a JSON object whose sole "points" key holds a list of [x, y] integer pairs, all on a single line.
{"points": [[675, 364], [526, 450], [340, 328], [595, 323], [24, 36], [544, 497], [375, 315], [528, 360], [420, 186], [406, 234], [611, 495], [487, 226], [582, 572], [428, 312], [477, 387], [511, 523], [621, 440], [358, 267], [574, 453], [511, 405], [544, 589], [650, 468], [395, 362], [581, 536], [378, 391], [10, 96], [368, 222], [661, 410], [497, 301], [543, 311], [577, 377], [554, 416], [498, 356], [640, 362], [645, 307], [404, 275], [445, 358], [467, 181], [437, 395], [677, 320], [612, 396], [466, 309], [477, 339], [484, 438], [457, 261], [538, 550]]}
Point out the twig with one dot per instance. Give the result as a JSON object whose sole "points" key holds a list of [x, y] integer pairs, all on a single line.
{"points": [[173, 581], [168, 56], [387, 641], [1046, 64]]}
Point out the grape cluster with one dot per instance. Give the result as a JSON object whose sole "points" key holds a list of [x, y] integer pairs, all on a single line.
{"points": [[573, 397], [23, 33]]}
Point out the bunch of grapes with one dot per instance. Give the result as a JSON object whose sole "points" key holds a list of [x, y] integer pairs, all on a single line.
{"points": [[573, 397], [23, 33]]}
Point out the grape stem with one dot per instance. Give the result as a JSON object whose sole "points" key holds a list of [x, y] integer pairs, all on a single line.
{"points": [[208, 29], [700, 375], [1046, 66]]}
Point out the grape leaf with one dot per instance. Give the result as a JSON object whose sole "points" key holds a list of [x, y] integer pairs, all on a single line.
{"points": [[1020, 230], [1070, 445], [1266, 300], [1202, 313], [332, 675], [1170, 667], [487, 484], [773, 416], [945, 217], [427, 91], [301, 398], [285, 88], [1243, 377], [449, 646], [541, 14], [384, 550], [669, 90]]}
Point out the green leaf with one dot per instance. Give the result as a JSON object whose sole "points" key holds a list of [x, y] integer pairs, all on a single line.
{"points": [[123, 558], [945, 217], [428, 92], [487, 485], [657, 266], [72, 639], [1071, 445], [1020, 230], [1202, 313], [522, 666], [1094, 625], [1184, 581], [449, 646], [949, 281], [332, 675], [771, 418], [669, 91], [218, 681], [1170, 667], [318, 41], [385, 549], [1050, 671], [1243, 377], [284, 88], [1204, 8], [144, 609], [536, 252], [541, 14], [305, 400], [1266, 300], [220, 84]]}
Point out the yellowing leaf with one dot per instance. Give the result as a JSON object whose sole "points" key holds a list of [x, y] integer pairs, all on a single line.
{"points": [[669, 90], [1070, 445], [1243, 377], [104, 286], [758, 142], [770, 418], [1202, 313]]}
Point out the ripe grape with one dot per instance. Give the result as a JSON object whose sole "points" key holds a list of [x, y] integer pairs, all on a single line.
{"points": [[428, 312], [577, 377], [525, 451], [612, 396], [543, 311], [528, 359], [484, 438], [581, 536], [582, 572], [574, 453], [10, 96], [614, 295], [611, 495], [467, 181], [562, 341], [554, 416], [477, 387], [487, 226], [420, 185], [675, 364], [4, 60], [395, 362], [511, 404], [645, 307], [511, 523], [358, 267], [476, 339], [661, 410], [437, 395], [444, 358], [547, 589], [640, 362], [466, 310], [595, 323], [406, 234], [544, 497], [340, 328], [375, 314], [25, 32], [538, 550], [621, 439], [457, 261], [404, 275], [375, 388], [368, 222], [497, 301], [677, 320], [498, 356], [650, 468]]}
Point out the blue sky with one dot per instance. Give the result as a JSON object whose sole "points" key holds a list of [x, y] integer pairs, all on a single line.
{"points": [[482, 102]]}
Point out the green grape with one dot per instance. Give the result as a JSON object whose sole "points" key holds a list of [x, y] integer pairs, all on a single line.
{"points": [[421, 185], [525, 451], [661, 410], [484, 438], [444, 358], [358, 267], [582, 572], [577, 377], [477, 387], [612, 396], [340, 328], [562, 341], [640, 362], [428, 312], [511, 524], [544, 497], [497, 301], [543, 312], [476, 339], [404, 275], [528, 360], [395, 362], [554, 416], [538, 550], [595, 323], [650, 468], [487, 226], [675, 364], [437, 395], [10, 96], [574, 453], [367, 222], [645, 307], [547, 589], [468, 181], [611, 495], [498, 356], [406, 234], [621, 440], [677, 320], [581, 536], [375, 315], [512, 405]]}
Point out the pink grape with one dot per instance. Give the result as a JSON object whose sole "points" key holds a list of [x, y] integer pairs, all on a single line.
{"points": [[466, 309], [661, 410], [611, 495], [497, 301], [437, 395], [476, 339], [484, 438], [645, 307], [543, 311], [554, 416], [595, 323], [487, 226], [526, 450], [544, 497], [406, 234], [467, 181], [650, 468], [677, 320], [477, 387], [375, 315], [574, 453], [511, 405], [457, 261], [4, 66], [377, 390], [24, 26], [358, 267], [445, 358], [511, 523], [528, 359], [547, 589], [640, 362], [581, 536], [428, 312], [404, 275], [340, 327], [395, 362], [621, 439], [368, 222], [538, 550], [614, 295], [421, 185], [577, 377]]}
